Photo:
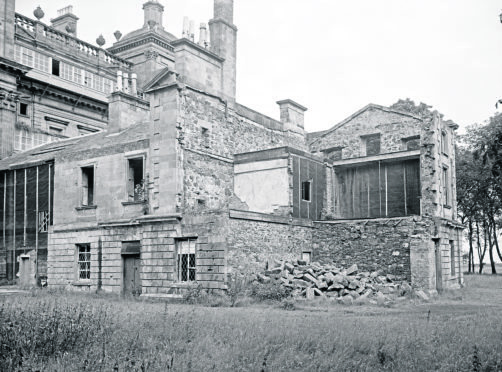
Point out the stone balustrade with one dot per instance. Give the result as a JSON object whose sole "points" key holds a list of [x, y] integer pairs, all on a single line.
{"points": [[69, 41]]}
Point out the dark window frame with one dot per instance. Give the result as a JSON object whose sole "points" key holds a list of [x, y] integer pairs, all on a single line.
{"points": [[88, 196], [136, 184], [307, 191], [56, 67], [23, 109]]}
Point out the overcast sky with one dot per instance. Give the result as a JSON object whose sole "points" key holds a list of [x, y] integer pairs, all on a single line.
{"points": [[333, 56]]}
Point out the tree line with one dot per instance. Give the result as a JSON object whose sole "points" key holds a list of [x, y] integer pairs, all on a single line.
{"points": [[479, 190]]}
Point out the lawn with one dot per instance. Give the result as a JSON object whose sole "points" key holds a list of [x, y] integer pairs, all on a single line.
{"points": [[461, 331]]}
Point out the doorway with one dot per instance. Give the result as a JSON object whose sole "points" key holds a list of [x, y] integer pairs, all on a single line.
{"points": [[132, 279]]}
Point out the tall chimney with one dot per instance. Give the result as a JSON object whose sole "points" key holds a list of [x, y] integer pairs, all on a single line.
{"points": [[153, 12], [66, 21], [224, 43], [7, 16]]}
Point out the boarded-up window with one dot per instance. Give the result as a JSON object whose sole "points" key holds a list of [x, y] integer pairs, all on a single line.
{"points": [[446, 187], [412, 143], [372, 144], [378, 190], [186, 270], [444, 143]]}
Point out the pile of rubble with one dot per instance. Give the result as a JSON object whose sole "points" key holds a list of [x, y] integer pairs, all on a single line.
{"points": [[344, 285]]}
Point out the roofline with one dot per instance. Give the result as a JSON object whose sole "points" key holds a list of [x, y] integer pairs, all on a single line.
{"points": [[359, 112], [293, 103]]}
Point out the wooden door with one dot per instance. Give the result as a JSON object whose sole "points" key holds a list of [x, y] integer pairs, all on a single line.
{"points": [[439, 274], [132, 280]]}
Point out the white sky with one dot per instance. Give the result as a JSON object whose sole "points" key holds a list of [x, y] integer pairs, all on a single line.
{"points": [[334, 56]]}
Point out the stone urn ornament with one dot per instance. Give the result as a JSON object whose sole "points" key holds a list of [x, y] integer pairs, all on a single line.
{"points": [[117, 35], [100, 41], [38, 13]]}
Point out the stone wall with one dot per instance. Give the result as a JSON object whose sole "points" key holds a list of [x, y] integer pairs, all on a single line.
{"points": [[208, 125], [253, 243], [158, 255], [379, 244], [208, 183], [392, 126]]}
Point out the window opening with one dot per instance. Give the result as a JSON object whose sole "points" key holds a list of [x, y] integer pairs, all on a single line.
{"points": [[186, 269], [23, 109], [136, 181], [372, 144], [87, 186], [306, 188], [56, 67], [84, 261]]}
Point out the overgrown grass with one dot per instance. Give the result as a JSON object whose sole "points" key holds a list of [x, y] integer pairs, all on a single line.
{"points": [[75, 332]]}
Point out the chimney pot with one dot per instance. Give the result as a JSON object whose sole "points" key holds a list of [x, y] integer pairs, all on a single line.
{"points": [[66, 21]]}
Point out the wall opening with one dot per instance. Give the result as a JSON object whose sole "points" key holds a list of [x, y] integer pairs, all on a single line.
{"points": [[136, 181], [186, 260], [56, 67], [83, 261], [378, 190], [88, 186]]}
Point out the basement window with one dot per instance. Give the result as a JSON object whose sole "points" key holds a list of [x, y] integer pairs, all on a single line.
{"points": [[23, 109], [135, 181], [88, 186], [56, 70], [84, 261], [306, 190], [185, 263]]}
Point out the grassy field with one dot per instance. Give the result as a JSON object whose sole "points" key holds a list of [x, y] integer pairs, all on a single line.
{"points": [[461, 331]]}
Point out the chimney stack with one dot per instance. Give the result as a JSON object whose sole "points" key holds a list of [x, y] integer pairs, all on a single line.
{"points": [[203, 35], [7, 28], [292, 113], [153, 13], [66, 21], [224, 43]]}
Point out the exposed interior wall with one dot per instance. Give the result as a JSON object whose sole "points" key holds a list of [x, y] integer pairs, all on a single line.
{"points": [[264, 186]]}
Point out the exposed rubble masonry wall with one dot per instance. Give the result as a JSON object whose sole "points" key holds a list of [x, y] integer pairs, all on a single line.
{"points": [[253, 243]]}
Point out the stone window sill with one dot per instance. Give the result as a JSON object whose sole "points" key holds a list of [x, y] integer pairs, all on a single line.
{"points": [[86, 207], [133, 202], [82, 283]]}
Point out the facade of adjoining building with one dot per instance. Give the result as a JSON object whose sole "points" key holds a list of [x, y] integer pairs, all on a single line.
{"points": [[181, 183]]}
